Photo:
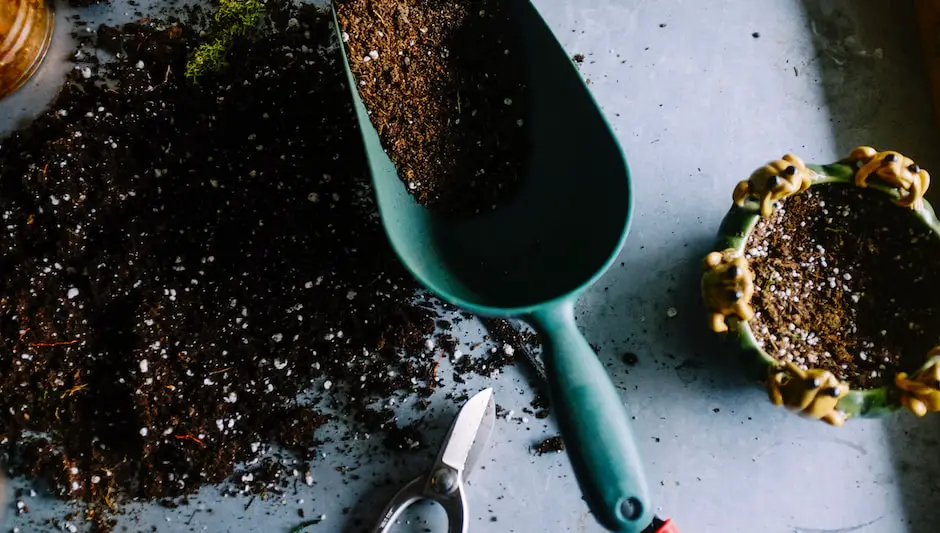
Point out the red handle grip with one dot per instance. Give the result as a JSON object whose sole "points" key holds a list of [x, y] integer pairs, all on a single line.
{"points": [[667, 527]]}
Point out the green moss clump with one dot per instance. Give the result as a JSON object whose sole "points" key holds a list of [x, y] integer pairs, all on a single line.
{"points": [[232, 19]]}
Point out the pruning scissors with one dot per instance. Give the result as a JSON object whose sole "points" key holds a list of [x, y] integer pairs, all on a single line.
{"points": [[462, 447]]}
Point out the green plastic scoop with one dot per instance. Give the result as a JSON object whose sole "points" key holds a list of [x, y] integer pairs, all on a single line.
{"points": [[533, 258]]}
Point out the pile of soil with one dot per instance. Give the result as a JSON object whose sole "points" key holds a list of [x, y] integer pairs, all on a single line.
{"points": [[182, 263], [846, 281], [442, 82]]}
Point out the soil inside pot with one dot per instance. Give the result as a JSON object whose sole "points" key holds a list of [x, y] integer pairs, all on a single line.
{"points": [[183, 263], [442, 82], [846, 281]]}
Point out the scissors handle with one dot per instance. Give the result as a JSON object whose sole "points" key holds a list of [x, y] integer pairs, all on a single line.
{"points": [[458, 519], [419, 489], [408, 494]]}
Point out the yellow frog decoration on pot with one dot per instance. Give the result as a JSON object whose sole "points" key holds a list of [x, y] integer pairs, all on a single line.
{"points": [[895, 170], [813, 393], [773, 182], [921, 393], [727, 288]]}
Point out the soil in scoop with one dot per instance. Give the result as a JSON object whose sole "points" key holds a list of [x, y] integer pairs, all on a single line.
{"points": [[846, 281], [180, 262], [441, 80]]}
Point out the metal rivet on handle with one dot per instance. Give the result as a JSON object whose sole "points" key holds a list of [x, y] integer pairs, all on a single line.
{"points": [[444, 481], [631, 508]]}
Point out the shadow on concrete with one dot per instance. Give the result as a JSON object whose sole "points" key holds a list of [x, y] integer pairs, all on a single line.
{"points": [[663, 344], [709, 361], [870, 65], [914, 443], [391, 471]]}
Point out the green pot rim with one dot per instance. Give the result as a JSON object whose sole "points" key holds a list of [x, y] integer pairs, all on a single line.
{"points": [[735, 229]]}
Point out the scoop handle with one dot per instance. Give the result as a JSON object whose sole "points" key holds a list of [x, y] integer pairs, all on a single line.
{"points": [[594, 424]]}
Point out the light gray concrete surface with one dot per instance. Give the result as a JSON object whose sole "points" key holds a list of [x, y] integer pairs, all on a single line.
{"points": [[697, 103]]}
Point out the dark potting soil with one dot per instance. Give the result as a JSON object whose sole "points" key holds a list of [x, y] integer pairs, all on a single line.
{"points": [[505, 341], [442, 82], [846, 281], [86, 3], [183, 262]]}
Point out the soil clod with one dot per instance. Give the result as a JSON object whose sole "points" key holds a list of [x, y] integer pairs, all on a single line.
{"points": [[550, 445]]}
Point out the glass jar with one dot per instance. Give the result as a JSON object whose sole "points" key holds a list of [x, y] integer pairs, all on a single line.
{"points": [[25, 33]]}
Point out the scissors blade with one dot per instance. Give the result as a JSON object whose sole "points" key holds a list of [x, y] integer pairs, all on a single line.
{"points": [[470, 432], [483, 436]]}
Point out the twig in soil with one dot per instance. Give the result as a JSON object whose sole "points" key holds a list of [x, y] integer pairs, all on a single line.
{"points": [[74, 390], [379, 16], [774, 345], [192, 438], [306, 523], [250, 501], [432, 378], [214, 372], [48, 344], [107, 499], [767, 283], [437, 365]]}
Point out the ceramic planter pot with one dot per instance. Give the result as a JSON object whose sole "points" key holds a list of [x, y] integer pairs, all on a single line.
{"points": [[25, 33], [728, 285]]}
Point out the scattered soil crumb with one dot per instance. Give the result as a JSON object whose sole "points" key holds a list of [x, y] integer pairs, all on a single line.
{"points": [[552, 444]]}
